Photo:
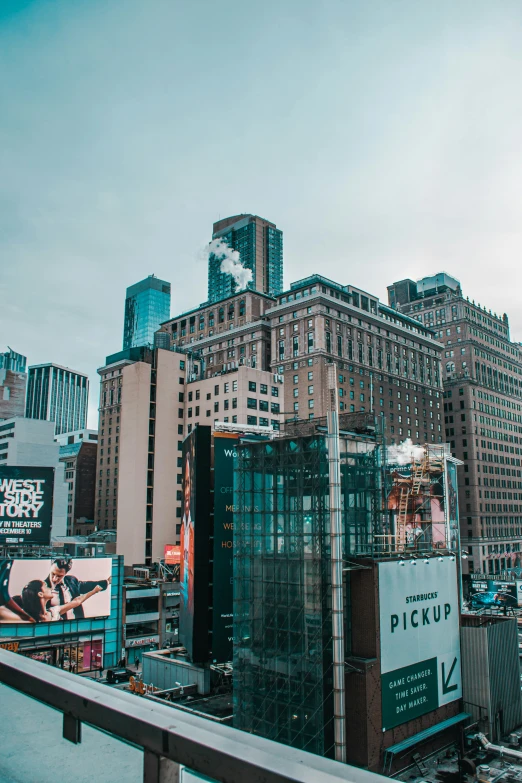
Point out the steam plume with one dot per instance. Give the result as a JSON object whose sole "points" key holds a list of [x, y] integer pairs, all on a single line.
{"points": [[230, 262], [405, 452]]}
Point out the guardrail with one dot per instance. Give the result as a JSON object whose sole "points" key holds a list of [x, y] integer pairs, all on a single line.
{"points": [[170, 737]]}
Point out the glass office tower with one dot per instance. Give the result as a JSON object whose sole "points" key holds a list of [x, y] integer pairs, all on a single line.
{"points": [[260, 246], [147, 305], [283, 680], [58, 394]]}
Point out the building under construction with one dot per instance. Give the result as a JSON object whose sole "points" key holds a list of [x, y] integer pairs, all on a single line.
{"points": [[301, 610]]}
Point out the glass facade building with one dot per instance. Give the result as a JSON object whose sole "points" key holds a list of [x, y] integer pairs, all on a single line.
{"points": [[147, 305], [10, 360], [58, 394], [283, 678], [260, 247]]}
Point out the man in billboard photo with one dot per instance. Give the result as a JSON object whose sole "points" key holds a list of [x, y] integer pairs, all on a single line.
{"points": [[65, 588], [187, 541], [37, 599]]}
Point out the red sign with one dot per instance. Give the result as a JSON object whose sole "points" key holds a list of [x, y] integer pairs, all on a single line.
{"points": [[172, 554]]}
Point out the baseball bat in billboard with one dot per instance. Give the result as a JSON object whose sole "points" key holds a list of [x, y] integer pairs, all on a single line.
{"points": [[59, 590], [26, 504]]}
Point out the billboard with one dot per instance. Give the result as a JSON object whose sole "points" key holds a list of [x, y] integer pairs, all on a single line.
{"points": [[54, 590], [195, 545], [415, 499], [419, 638], [452, 505], [489, 593], [222, 621], [26, 505], [172, 554]]}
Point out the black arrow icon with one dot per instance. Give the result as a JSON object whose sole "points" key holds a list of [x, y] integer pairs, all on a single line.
{"points": [[446, 688]]}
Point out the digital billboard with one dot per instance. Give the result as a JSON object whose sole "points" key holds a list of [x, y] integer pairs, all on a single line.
{"points": [[195, 545], [26, 505], [419, 638], [54, 590], [172, 554], [222, 621], [490, 593], [415, 500], [452, 505]]}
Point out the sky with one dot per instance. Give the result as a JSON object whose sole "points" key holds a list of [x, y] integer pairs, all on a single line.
{"points": [[382, 137]]}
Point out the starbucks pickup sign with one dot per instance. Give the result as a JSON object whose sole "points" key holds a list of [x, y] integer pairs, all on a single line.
{"points": [[420, 641]]}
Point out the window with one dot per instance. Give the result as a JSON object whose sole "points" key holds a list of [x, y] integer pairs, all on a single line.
{"points": [[252, 386], [275, 391], [296, 392], [263, 405], [310, 390], [252, 403], [310, 403], [310, 376], [234, 402], [296, 406], [251, 420], [234, 386], [263, 388]]}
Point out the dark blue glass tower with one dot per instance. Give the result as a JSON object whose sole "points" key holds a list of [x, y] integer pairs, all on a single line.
{"points": [[260, 246], [147, 305]]}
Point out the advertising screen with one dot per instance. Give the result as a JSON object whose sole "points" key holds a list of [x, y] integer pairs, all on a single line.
{"points": [[222, 624], [415, 500], [57, 590], [452, 506], [195, 545], [172, 554], [420, 644], [26, 505], [494, 593]]}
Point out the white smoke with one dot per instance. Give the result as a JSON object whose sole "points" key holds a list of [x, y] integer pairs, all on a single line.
{"points": [[230, 262], [405, 452]]}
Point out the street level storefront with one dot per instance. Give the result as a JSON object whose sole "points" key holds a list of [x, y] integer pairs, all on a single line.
{"points": [[134, 648], [76, 654], [88, 638]]}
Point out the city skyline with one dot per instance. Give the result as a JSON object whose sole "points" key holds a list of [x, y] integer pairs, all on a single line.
{"points": [[391, 151]]}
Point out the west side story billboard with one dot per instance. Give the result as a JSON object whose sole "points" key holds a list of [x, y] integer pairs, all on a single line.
{"points": [[222, 620], [420, 642], [26, 505], [194, 545]]}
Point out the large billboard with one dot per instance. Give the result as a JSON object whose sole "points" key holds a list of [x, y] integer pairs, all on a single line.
{"points": [[195, 545], [26, 505], [54, 590], [420, 643], [452, 505], [222, 622], [491, 593]]}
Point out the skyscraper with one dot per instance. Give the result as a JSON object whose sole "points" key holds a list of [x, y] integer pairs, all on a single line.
{"points": [[260, 246], [147, 305], [482, 377], [58, 394], [13, 382]]}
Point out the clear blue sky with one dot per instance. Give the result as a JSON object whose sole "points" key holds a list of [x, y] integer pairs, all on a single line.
{"points": [[383, 138]]}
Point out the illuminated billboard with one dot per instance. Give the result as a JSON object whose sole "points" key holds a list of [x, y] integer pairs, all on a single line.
{"points": [[54, 590], [195, 545], [489, 593], [172, 554], [222, 621], [419, 636], [26, 505]]}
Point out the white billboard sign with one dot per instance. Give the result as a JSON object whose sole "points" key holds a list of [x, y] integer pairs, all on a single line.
{"points": [[420, 638]]}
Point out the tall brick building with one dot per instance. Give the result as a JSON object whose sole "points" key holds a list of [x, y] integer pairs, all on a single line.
{"points": [[482, 376], [251, 360]]}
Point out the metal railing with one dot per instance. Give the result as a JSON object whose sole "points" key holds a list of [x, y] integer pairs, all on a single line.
{"points": [[169, 737]]}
